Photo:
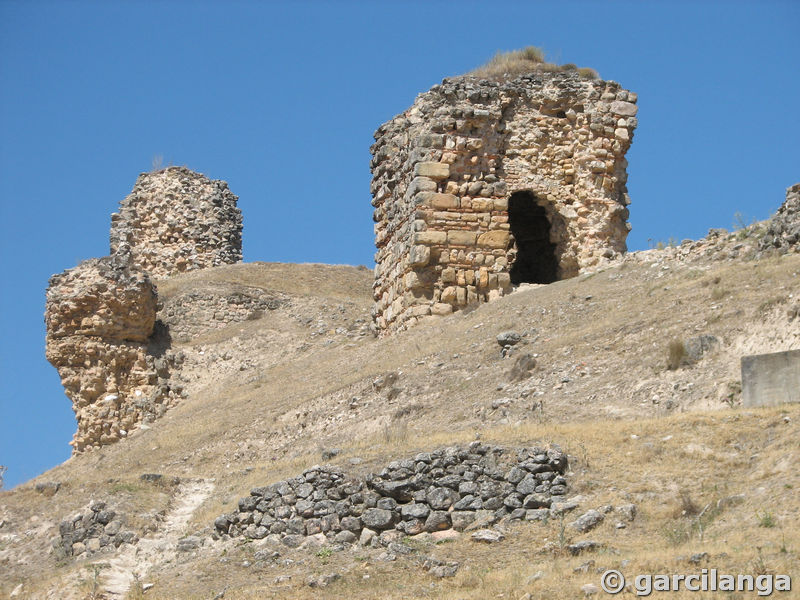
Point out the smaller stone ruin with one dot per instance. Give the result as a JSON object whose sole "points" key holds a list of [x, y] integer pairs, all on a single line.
{"points": [[450, 488], [101, 319], [96, 530], [112, 353], [176, 220]]}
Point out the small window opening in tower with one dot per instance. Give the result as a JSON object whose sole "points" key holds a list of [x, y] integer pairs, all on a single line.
{"points": [[536, 255]]}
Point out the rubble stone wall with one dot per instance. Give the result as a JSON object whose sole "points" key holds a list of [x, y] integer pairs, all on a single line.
{"points": [[449, 488], [104, 335], [101, 337], [176, 220], [443, 172], [783, 229], [196, 312]]}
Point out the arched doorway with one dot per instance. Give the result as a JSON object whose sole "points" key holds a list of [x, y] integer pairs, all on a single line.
{"points": [[536, 255]]}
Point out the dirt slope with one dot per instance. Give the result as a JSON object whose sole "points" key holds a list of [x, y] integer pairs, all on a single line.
{"points": [[268, 396]]}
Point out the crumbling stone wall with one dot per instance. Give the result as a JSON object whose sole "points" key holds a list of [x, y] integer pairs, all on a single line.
{"points": [[99, 529], [444, 170], [177, 220], [783, 229], [449, 488], [196, 312], [102, 338]]}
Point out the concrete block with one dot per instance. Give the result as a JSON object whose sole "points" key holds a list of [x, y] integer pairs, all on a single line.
{"points": [[769, 379]]}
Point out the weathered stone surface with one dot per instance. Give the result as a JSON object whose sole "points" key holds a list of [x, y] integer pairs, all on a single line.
{"points": [[783, 230], [100, 318], [177, 220], [487, 536], [508, 338], [445, 170], [434, 170], [494, 239], [378, 518], [437, 521], [624, 109], [94, 530], [587, 521], [114, 362]]}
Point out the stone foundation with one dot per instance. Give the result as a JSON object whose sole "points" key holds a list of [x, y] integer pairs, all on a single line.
{"points": [[450, 488]]}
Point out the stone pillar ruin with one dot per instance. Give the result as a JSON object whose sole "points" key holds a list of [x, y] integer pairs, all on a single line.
{"points": [[111, 352], [176, 220], [100, 317], [476, 164]]}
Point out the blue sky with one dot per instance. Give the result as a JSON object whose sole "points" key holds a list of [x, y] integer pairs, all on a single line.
{"points": [[281, 100]]}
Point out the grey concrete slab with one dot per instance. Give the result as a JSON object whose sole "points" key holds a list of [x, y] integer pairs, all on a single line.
{"points": [[769, 379]]}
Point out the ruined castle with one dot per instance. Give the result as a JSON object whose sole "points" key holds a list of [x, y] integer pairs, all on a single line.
{"points": [[482, 185], [111, 353], [479, 186]]}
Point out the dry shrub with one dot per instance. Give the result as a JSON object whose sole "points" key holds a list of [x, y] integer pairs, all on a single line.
{"points": [[525, 60], [676, 354]]}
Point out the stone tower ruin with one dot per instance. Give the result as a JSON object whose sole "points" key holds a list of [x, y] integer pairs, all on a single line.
{"points": [[482, 185], [103, 333], [177, 220]]}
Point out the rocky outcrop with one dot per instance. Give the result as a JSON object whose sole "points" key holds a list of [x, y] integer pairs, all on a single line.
{"points": [[783, 230], [449, 488], [102, 338], [176, 220]]}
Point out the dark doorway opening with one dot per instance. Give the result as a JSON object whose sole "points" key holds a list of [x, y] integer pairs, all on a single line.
{"points": [[536, 254]]}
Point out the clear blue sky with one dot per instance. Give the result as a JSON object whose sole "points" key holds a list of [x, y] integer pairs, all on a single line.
{"points": [[281, 100]]}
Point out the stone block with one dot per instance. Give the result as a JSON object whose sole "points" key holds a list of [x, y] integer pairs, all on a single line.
{"points": [[419, 256], [440, 201], [434, 170], [494, 239], [430, 237], [449, 295], [625, 109], [412, 281], [441, 309], [461, 238], [770, 379]]}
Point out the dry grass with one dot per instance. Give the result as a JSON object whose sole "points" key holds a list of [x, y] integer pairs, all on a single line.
{"points": [[507, 65], [681, 491]]}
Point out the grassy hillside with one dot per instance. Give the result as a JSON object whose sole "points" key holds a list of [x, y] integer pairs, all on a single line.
{"points": [[269, 396]]}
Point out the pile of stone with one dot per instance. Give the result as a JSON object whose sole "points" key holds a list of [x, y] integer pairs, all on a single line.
{"points": [[783, 230], [450, 488], [97, 530]]}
